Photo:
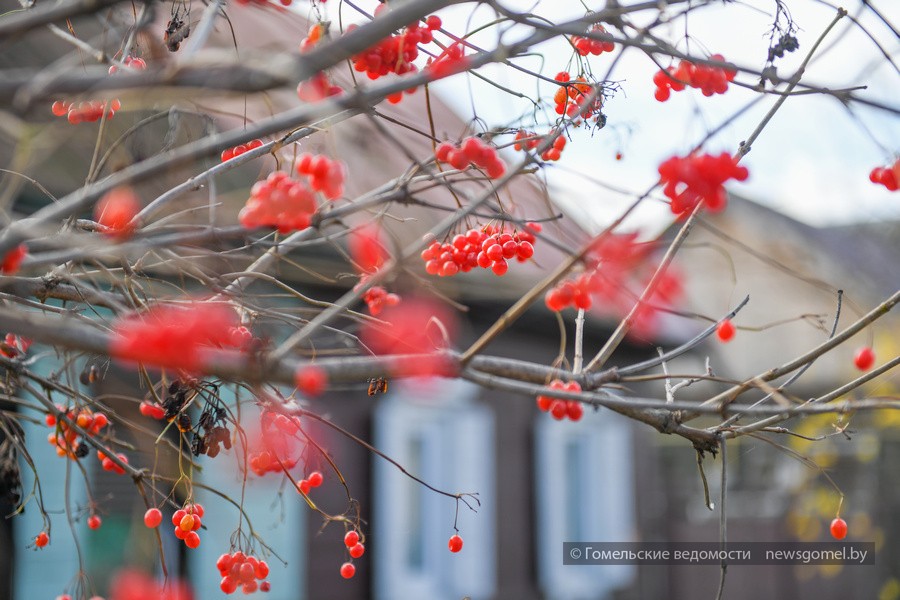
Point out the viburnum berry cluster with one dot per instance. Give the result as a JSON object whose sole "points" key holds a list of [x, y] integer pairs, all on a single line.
{"points": [[277, 442], [355, 548], [554, 152], [230, 153], [586, 45], [888, 176], [451, 60], [245, 571], [89, 111], [12, 260], [66, 439], [377, 298], [173, 336], [472, 151], [489, 248], [187, 522], [109, 464], [279, 201], [325, 175], [694, 178], [526, 140], [558, 408], [14, 346], [707, 78], [313, 480], [395, 53], [571, 97]]}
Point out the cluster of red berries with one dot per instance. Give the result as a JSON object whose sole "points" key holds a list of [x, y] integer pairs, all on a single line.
{"points": [[310, 379], [708, 79], [396, 53], [318, 87], [554, 152], [88, 111], [472, 151], [230, 153], [356, 549], [725, 330], [699, 177], [864, 358], [13, 259], [570, 292], [277, 433], [279, 201], [66, 439], [888, 176], [116, 210], [14, 345], [248, 572], [173, 336], [571, 98], [377, 298], [451, 60], [109, 465], [585, 46], [526, 140], [313, 480], [558, 408], [325, 175], [187, 522], [92, 110], [489, 248]]}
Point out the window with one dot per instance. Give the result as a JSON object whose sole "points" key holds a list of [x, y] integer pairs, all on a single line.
{"points": [[585, 493], [447, 441]]}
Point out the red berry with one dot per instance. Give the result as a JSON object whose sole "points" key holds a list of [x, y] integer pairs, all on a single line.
{"points": [[42, 539], [262, 570], [574, 410], [94, 522], [304, 486], [348, 570], [864, 358], [357, 550], [839, 529], [116, 210], [315, 479], [455, 543], [187, 522], [228, 585], [351, 539], [725, 330], [559, 410], [265, 586], [192, 540], [311, 380]]}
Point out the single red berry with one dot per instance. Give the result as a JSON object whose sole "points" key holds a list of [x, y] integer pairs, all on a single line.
{"points": [[455, 543], [839, 529], [725, 330], [351, 539], [315, 479], [228, 585], [187, 522], [265, 586], [94, 522], [348, 570], [192, 540], [357, 550], [262, 570], [42, 539], [304, 486], [864, 358], [311, 380]]}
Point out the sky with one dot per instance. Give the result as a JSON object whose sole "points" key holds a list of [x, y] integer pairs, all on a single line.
{"points": [[811, 162]]}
